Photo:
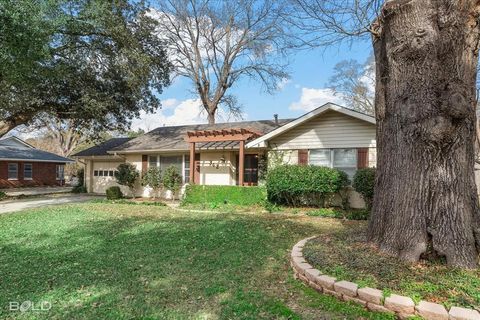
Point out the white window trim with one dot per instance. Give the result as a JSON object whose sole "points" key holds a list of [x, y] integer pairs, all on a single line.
{"points": [[332, 156], [8, 171], [31, 166]]}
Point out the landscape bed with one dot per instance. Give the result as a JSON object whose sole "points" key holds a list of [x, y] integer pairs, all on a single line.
{"points": [[345, 254]]}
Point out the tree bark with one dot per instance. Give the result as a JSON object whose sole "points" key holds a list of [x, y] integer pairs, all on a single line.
{"points": [[425, 193]]}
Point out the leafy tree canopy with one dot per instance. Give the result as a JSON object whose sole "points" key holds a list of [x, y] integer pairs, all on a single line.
{"points": [[96, 62]]}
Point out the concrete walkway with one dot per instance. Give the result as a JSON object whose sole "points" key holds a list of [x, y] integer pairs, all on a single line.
{"points": [[23, 204], [15, 192]]}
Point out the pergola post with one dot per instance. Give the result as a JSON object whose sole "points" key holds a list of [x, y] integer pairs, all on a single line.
{"points": [[241, 164], [192, 162]]}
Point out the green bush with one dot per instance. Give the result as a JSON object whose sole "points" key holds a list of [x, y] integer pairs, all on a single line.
{"points": [[3, 195], [172, 180], [79, 189], [153, 179], [364, 183], [217, 195], [80, 176], [127, 175], [114, 193], [296, 185]]}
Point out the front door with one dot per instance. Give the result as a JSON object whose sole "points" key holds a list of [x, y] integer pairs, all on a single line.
{"points": [[250, 177]]}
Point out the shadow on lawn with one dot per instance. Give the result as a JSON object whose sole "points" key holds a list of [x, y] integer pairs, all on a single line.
{"points": [[225, 266]]}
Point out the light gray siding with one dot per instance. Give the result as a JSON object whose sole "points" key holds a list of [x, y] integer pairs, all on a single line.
{"points": [[329, 130]]}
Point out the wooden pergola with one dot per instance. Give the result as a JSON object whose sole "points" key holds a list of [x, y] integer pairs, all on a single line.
{"points": [[220, 139]]}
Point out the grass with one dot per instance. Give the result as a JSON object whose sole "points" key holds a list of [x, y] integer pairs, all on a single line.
{"points": [[344, 253], [118, 261]]}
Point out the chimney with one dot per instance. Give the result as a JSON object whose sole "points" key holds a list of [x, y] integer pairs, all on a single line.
{"points": [[275, 117]]}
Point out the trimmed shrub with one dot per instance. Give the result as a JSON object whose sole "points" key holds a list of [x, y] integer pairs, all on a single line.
{"points": [[114, 193], [296, 185], [153, 179], [3, 195], [364, 183], [79, 189], [127, 175], [216, 195], [172, 180]]}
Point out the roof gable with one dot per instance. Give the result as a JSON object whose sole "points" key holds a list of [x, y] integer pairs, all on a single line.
{"points": [[261, 141], [15, 142]]}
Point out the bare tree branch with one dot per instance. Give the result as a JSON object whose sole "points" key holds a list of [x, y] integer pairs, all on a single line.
{"points": [[215, 44]]}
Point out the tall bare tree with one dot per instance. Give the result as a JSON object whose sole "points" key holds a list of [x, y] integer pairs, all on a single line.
{"points": [[216, 43], [426, 55], [355, 83]]}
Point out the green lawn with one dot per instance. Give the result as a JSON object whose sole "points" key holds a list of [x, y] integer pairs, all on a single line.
{"points": [[118, 261]]}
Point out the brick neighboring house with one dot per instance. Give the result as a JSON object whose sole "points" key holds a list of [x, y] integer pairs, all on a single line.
{"points": [[22, 165]]}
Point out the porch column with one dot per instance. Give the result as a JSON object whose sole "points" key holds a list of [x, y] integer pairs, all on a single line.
{"points": [[192, 162], [241, 163]]}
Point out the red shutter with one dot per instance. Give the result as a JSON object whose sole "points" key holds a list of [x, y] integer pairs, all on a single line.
{"points": [[144, 164], [362, 158], [303, 157]]}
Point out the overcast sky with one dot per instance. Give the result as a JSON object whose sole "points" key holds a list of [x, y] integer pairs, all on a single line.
{"points": [[304, 91]]}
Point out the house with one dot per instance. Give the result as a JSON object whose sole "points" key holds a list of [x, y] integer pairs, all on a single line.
{"points": [[232, 153], [22, 165]]}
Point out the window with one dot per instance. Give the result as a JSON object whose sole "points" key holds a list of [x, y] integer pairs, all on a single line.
{"points": [[27, 171], [95, 173], [12, 171], [167, 161], [110, 173], [342, 159], [60, 170], [100, 173], [163, 162], [105, 173], [152, 161]]}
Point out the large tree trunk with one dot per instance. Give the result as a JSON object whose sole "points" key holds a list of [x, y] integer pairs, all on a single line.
{"points": [[425, 193]]}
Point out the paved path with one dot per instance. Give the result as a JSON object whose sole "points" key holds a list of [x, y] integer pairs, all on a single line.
{"points": [[15, 192], [19, 205]]}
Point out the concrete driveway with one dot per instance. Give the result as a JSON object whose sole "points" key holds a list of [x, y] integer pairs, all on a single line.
{"points": [[44, 201]]}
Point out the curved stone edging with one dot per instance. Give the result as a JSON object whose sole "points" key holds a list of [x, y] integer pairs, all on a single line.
{"points": [[371, 298]]}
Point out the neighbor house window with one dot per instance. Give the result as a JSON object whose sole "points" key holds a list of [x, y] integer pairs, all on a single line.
{"points": [[342, 159], [60, 172], [27, 171], [95, 173], [12, 171]]}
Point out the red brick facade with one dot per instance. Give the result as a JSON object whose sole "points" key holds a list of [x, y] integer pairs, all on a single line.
{"points": [[43, 174]]}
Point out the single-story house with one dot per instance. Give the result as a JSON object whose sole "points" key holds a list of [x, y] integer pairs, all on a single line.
{"points": [[232, 153], [22, 165]]}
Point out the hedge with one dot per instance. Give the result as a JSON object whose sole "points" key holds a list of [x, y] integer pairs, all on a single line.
{"points": [[364, 183], [215, 195], [297, 185]]}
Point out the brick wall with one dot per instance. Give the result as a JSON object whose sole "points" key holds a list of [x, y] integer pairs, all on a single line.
{"points": [[44, 174]]}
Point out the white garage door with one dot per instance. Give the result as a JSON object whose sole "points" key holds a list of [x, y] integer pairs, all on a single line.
{"points": [[104, 176]]}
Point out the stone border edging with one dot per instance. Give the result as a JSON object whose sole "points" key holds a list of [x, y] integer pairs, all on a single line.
{"points": [[373, 299]]}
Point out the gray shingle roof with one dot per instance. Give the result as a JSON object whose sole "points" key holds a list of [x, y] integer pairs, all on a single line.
{"points": [[172, 138], [101, 149], [10, 150]]}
